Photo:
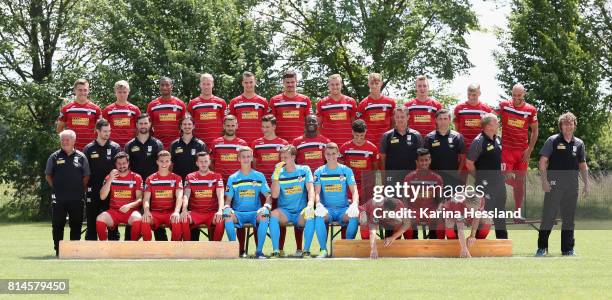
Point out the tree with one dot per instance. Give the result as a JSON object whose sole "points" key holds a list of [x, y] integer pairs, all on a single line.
{"points": [[34, 79], [398, 38], [543, 50]]}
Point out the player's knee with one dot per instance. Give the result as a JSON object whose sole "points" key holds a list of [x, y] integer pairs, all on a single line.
{"points": [[275, 214]]}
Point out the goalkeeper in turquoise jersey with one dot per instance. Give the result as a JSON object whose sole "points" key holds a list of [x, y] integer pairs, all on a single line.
{"points": [[242, 204], [332, 181], [292, 185]]}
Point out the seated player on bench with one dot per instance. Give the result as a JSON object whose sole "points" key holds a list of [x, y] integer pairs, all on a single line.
{"points": [[426, 201], [331, 182], [242, 204], [373, 215], [480, 227], [292, 185], [125, 190], [163, 198], [203, 200]]}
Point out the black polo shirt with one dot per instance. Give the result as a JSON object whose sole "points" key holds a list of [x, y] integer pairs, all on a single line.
{"points": [[184, 155], [100, 158], [68, 172], [444, 149], [400, 150], [564, 157], [486, 155], [143, 156]]}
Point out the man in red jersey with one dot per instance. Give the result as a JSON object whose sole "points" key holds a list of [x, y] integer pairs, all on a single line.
{"points": [[384, 214], [290, 109], [336, 112], [124, 190], [266, 149], [422, 109], [122, 115], [207, 111], [363, 158], [163, 198], [80, 115], [376, 110], [203, 200], [225, 149], [311, 145], [166, 113], [468, 114], [248, 108], [517, 118]]}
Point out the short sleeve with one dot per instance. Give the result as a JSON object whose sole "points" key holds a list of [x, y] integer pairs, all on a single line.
{"points": [[178, 182], [547, 148], [265, 188], [534, 117], [308, 174], [460, 144], [139, 185], [49, 166], [62, 114], [147, 185], [229, 189], [475, 150], [383, 143], [581, 155], [86, 171], [317, 177], [350, 176], [219, 181]]}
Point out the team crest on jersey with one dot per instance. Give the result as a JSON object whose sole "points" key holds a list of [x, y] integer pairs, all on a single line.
{"points": [[135, 149], [300, 178], [342, 177]]}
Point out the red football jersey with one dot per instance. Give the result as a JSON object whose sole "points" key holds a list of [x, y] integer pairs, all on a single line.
{"points": [[467, 120], [123, 189], [310, 151], [290, 114], [207, 117], [336, 118], [266, 154], [225, 155], [427, 179], [359, 158], [378, 116], [249, 113], [515, 123], [82, 119], [163, 190], [122, 119], [166, 116], [203, 191], [422, 115]]}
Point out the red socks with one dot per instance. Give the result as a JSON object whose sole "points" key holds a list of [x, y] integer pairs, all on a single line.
{"points": [[146, 232], [186, 231], [136, 230], [101, 230]]}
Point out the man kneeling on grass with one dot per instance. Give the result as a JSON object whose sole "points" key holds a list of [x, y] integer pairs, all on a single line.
{"points": [[376, 214], [460, 204]]}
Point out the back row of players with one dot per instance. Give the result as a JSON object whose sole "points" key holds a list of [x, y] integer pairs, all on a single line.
{"points": [[209, 124]]}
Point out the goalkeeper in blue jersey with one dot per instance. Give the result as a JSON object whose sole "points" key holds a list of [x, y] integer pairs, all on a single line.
{"points": [[292, 185], [242, 204], [331, 182]]}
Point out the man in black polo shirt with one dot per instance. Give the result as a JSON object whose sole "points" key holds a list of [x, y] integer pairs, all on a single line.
{"points": [[67, 172], [561, 157], [184, 149], [398, 148], [100, 153], [143, 151], [447, 149], [485, 162]]}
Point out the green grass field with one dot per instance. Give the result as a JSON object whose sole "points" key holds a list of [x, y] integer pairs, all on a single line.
{"points": [[27, 252]]}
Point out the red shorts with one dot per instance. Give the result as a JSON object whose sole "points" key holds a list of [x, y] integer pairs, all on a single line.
{"points": [[119, 217], [461, 206], [512, 160], [199, 218], [161, 218]]}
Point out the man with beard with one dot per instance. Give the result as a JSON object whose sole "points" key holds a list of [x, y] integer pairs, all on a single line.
{"points": [[184, 149]]}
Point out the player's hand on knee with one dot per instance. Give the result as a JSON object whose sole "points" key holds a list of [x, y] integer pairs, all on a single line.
{"points": [[352, 211], [320, 211], [175, 217], [185, 217], [264, 211], [228, 212], [147, 217], [219, 216], [308, 212], [124, 208]]}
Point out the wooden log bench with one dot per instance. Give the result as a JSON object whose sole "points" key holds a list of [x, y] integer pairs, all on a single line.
{"points": [[422, 248], [146, 250]]}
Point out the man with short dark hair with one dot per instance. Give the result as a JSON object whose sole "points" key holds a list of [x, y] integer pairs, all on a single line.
{"points": [[290, 108], [79, 115], [248, 108], [184, 149], [166, 112]]}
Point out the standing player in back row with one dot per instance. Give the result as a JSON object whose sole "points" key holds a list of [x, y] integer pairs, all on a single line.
{"points": [[336, 112], [248, 108], [290, 108], [517, 118], [468, 114], [166, 113], [207, 111], [376, 110], [122, 115], [422, 109], [80, 115]]}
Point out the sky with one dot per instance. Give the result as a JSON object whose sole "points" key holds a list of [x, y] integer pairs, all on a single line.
{"points": [[482, 44]]}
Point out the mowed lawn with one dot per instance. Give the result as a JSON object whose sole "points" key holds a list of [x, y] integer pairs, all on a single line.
{"points": [[27, 253]]}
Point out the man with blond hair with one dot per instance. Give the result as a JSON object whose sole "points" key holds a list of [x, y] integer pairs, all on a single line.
{"points": [[207, 111], [122, 115], [80, 115], [422, 109], [376, 109], [336, 112]]}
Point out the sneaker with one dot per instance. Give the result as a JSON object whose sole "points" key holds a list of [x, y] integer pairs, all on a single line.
{"points": [[569, 253], [323, 254], [243, 255], [306, 254], [281, 253], [298, 253], [541, 252], [260, 255], [275, 254]]}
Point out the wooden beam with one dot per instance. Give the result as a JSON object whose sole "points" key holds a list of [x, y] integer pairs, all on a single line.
{"points": [[146, 250], [421, 248]]}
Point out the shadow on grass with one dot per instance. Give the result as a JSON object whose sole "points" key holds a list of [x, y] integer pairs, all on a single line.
{"points": [[44, 257]]}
